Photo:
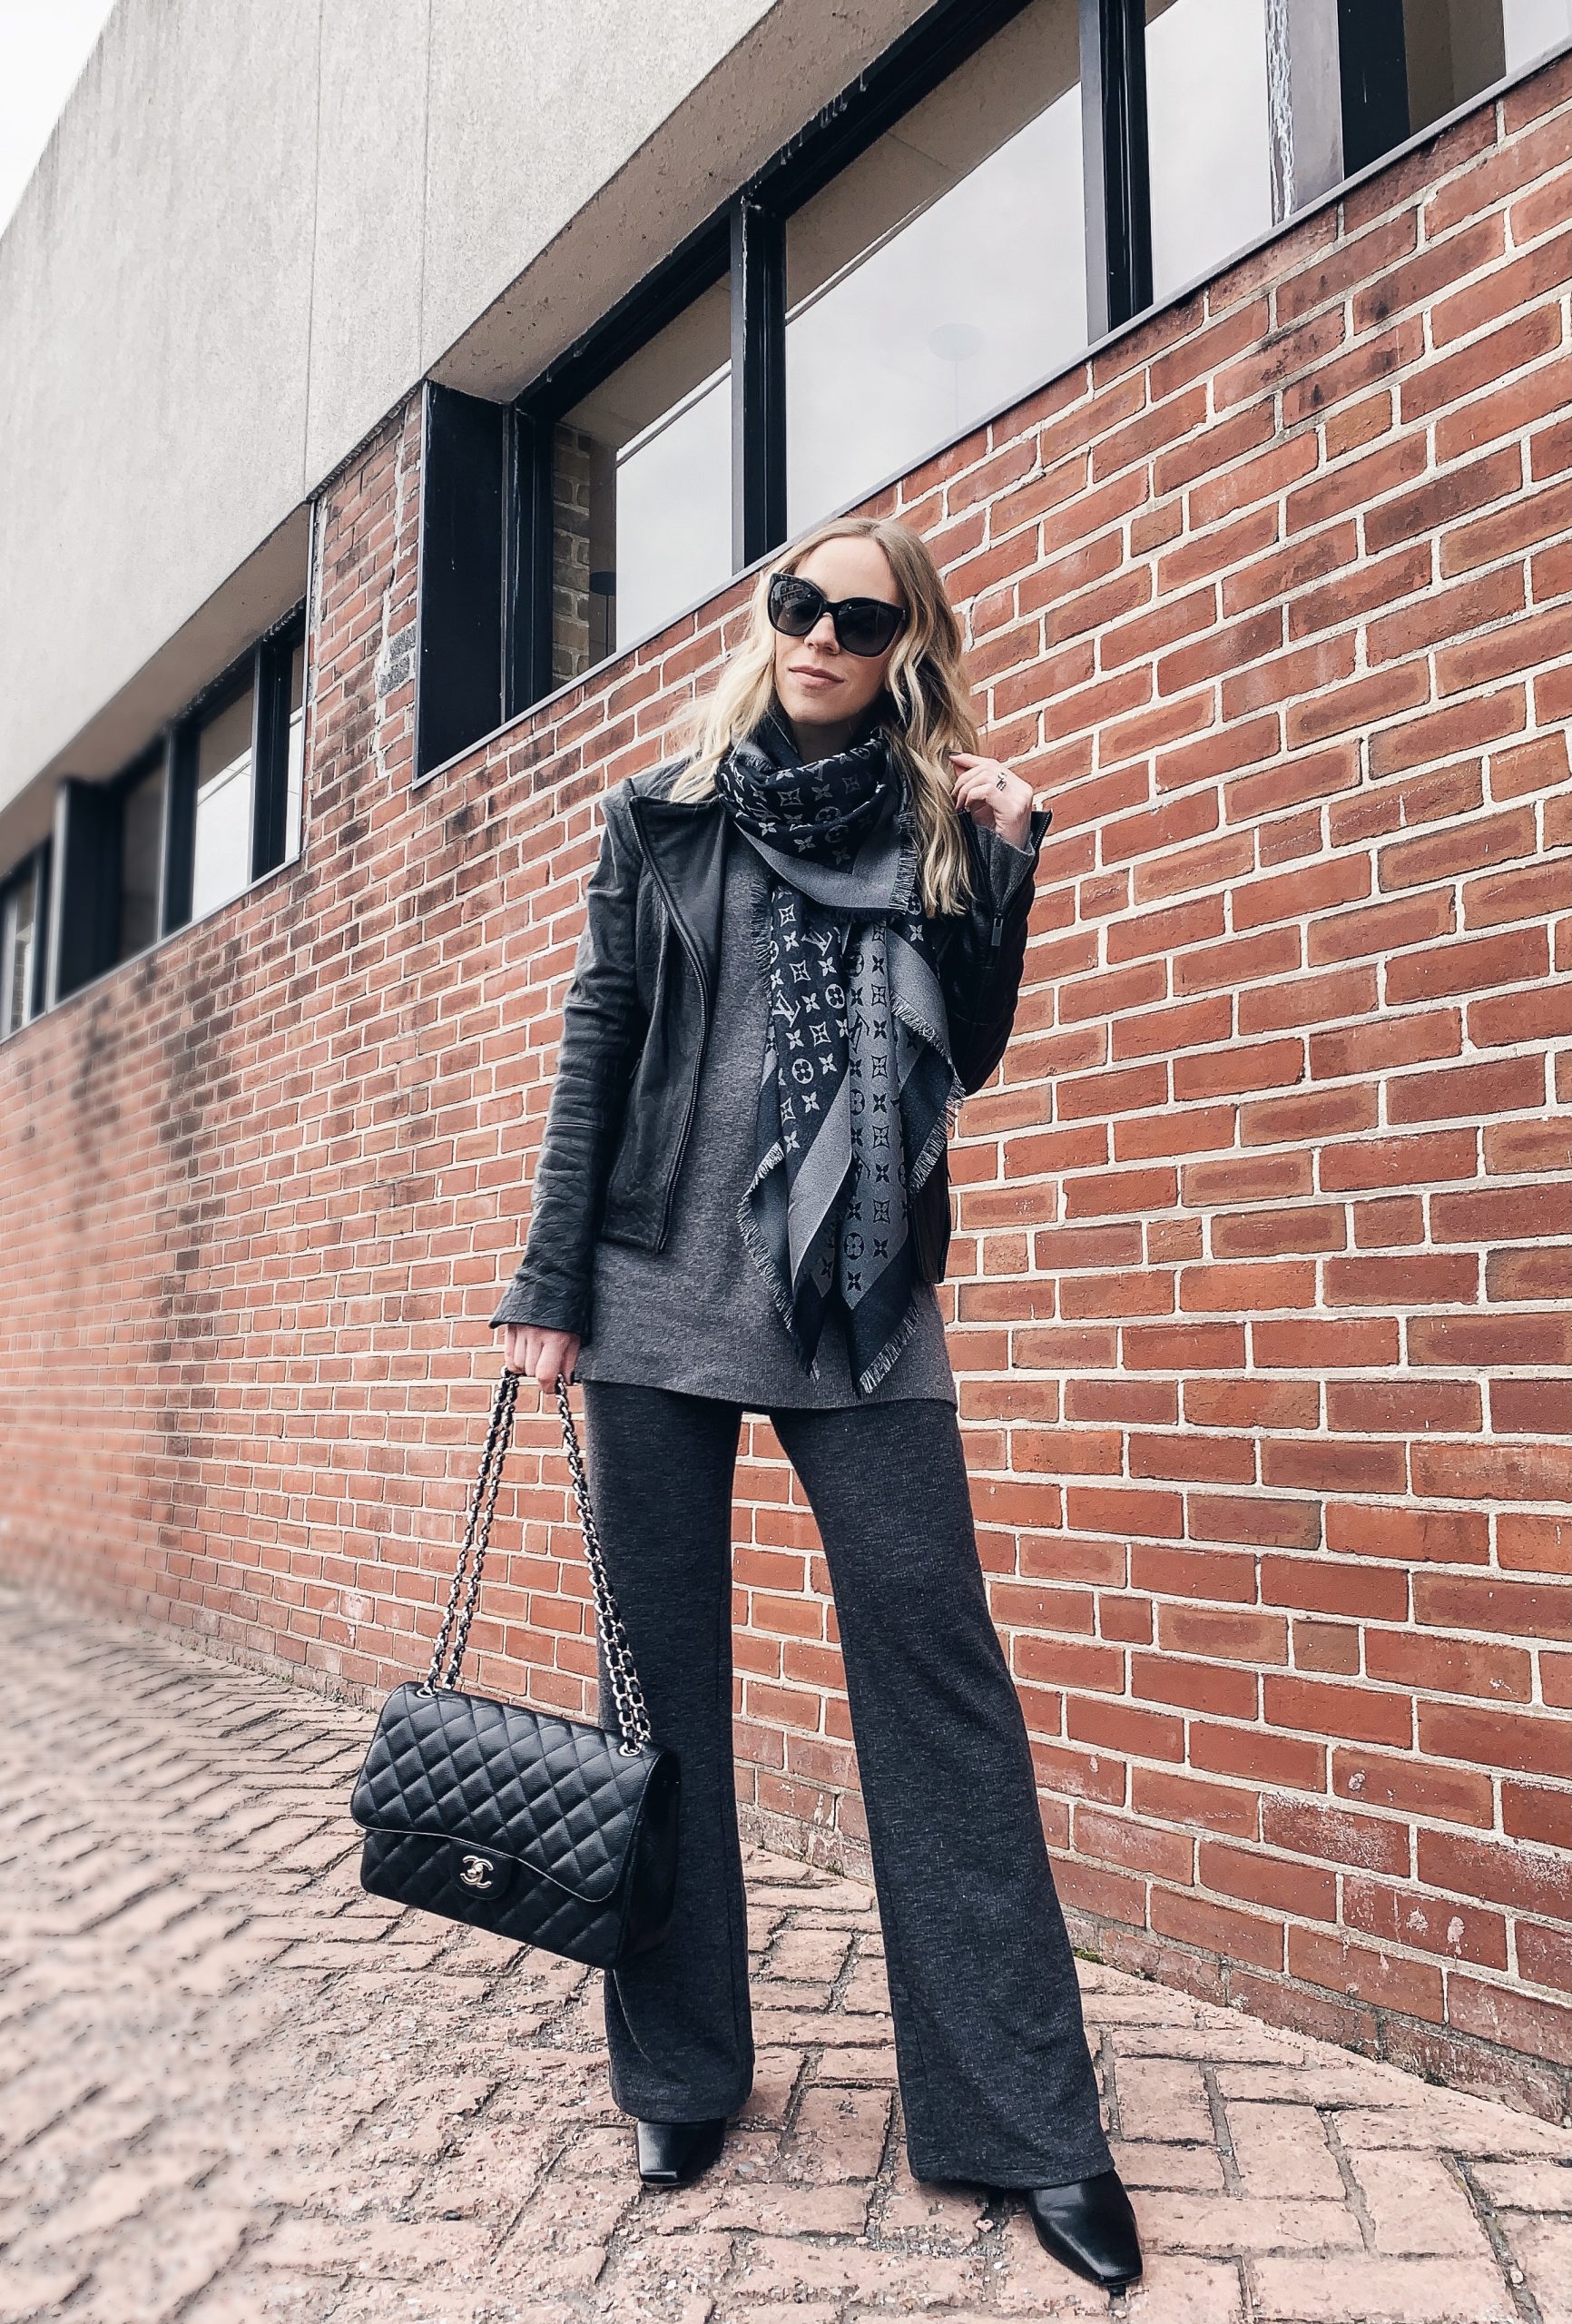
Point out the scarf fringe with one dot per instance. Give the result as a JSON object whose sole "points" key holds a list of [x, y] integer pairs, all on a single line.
{"points": [[906, 856], [884, 1360], [937, 1140]]}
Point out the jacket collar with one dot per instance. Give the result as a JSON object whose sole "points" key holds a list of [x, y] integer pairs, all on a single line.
{"points": [[685, 842]]}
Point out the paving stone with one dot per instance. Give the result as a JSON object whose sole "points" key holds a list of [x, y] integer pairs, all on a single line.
{"points": [[1450, 2121], [860, 2066], [776, 2074], [1176, 2290], [163, 2259], [29, 2295], [1283, 2151], [769, 2311], [791, 2268], [1236, 2223], [1163, 2098], [1418, 2204], [1141, 2164], [1527, 2186], [1373, 2291], [1543, 2249], [235, 2089], [117, 2195], [867, 1989], [808, 1955], [776, 2207], [1331, 2081], [838, 2133], [944, 2219], [1228, 2041]]}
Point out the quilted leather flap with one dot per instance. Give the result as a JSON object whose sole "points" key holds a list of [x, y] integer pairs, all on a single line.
{"points": [[554, 1792]]}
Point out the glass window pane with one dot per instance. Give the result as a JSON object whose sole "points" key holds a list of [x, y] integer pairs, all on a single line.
{"points": [[295, 782], [1532, 28], [141, 855], [1209, 133], [642, 489], [224, 808], [1454, 48], [942, 271], [21, 921]]}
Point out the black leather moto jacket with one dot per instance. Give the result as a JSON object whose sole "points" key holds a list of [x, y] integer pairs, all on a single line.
{"points": [[636, 1017]]}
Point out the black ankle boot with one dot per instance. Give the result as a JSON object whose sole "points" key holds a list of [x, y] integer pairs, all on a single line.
{"points": [[671, 2154], [1090, 2227]]}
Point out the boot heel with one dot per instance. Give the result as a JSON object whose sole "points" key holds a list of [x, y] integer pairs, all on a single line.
{"points": [[671, 2154]]}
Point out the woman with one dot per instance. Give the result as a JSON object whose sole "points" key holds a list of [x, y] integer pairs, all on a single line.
{"points": [[803, 946]]}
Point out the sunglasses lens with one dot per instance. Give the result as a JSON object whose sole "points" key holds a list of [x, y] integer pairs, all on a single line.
{"points": [[866, 626], [794, 605]]}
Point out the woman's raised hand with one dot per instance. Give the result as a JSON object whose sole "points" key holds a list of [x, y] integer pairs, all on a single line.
{"points": [[987, 790], [539, 1355]]}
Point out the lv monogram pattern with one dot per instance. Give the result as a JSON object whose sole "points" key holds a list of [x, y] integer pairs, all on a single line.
{"points": [[856, 1091]]}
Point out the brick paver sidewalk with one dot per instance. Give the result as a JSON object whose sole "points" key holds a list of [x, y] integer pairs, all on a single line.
{"points": [[233, 2087]]}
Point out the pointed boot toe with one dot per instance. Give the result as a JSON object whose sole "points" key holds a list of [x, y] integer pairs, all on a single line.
{"points": [[672, 2153], [1090, 2228]]}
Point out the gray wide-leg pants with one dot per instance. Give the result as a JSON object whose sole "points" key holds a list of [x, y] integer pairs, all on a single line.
{"points": [[997, 2085]]}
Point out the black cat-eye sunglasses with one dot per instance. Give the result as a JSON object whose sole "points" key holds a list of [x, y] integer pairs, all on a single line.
{"points": [[864, 625]]}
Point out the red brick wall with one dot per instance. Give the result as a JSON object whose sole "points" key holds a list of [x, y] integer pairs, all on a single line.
{"points": [[1260, 1284]]}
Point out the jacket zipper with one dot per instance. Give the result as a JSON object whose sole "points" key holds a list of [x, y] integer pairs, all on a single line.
{"points": [[980, 872], [691, 951]]}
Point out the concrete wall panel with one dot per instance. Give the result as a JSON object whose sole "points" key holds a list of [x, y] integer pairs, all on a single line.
{"points": [[370, 196], [154, 314]]}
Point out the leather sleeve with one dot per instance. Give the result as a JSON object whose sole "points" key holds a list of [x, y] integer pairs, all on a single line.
{"points": [[602, 1028], [983, 961]]}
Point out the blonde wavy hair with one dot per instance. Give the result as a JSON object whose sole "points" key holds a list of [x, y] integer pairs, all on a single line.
{"points": [[925, 705]]}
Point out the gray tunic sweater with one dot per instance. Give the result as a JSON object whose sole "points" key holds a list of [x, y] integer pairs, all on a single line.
{"points": [[695, 1315]]}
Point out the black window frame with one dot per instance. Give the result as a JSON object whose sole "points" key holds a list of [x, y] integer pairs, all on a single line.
{"points": [[84, 891], [484, 596]]}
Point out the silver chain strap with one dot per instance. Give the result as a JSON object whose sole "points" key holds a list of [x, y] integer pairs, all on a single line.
{"points": [[632, 1717], [476, 1539], [453, 1636]]}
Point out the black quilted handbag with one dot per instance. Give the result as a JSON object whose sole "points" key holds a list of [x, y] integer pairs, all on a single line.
{"points": [[541, 1828]]}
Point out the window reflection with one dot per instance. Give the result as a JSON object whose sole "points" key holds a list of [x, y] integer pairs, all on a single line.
{"points": [[296, 770], [18, 939], [1531, 28], [1452, 48], [223, 807], [1208, 113], [140, 859], [942, 271], [641, 489], [1455, 48], [1255, 108]]}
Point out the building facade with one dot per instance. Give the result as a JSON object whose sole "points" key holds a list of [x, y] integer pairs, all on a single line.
{"points": [[1222, 350]]}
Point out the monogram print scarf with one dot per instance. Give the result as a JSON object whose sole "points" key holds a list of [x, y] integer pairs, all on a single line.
{"points": [[857, 1090]]}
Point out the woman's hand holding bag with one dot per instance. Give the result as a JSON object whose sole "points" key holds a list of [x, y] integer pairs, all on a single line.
{"points": [[539, 1355]]}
